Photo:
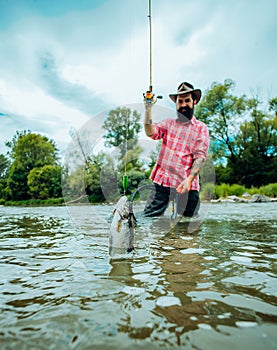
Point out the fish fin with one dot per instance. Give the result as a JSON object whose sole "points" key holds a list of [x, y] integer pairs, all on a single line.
{"points": [[132, 220], [130, 250], [118, 226]]}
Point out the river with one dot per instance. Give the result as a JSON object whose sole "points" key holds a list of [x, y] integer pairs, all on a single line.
{"points": [[213, 288]]}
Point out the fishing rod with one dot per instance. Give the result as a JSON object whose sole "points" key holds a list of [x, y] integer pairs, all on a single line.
{"points": [[149, 96]]}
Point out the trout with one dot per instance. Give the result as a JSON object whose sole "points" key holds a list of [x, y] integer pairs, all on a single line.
{"points": [[121, 238]]}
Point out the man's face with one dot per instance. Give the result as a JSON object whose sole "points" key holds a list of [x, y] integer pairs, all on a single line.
{"points": [[185, 107]]}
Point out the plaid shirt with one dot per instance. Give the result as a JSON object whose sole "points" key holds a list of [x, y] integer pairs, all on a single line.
{"points": [[182, 143]]}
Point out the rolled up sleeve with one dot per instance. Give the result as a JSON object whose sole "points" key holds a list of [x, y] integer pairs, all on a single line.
{"points": [[159, 131]]}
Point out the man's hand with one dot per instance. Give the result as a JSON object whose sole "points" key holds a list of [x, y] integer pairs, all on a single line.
{"points": [[148, 123], [148, 107], [184, 185], [149, 99]]}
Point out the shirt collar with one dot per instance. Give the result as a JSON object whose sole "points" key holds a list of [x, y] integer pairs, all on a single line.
{"points": [[193, 120]]}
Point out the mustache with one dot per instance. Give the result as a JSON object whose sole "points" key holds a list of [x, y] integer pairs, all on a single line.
{"points": [[184, 110], [185, 113]]}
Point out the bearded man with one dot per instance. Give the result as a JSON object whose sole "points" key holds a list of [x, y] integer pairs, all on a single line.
{"points": [[185, 143]]}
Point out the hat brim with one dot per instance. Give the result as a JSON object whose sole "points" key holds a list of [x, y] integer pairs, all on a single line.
{"points": [[197, 93]]}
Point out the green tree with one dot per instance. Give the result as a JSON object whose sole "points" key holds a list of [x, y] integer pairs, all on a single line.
{"points": [[45, 182], [4, 167], [92, 175], [73, 184], [131, 159], [27, 151], [32, 150], [242, 135], [95, 180], [222, 112], [17, 188], [273, 105], [122, 124], [257, 147]]}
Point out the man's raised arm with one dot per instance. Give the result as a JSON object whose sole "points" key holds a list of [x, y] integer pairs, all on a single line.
{"points": [[148, 123]]}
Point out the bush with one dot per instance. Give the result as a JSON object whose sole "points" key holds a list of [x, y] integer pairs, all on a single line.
{"points": [[269, 190], [237, 190], [222, 191], [207, 191], [225, 190], [253, 190], [95, 198]]}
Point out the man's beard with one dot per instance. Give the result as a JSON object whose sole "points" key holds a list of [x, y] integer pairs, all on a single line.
{"points": [[184, 114]]}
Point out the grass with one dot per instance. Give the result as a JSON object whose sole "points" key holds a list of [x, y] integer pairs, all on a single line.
{"points": [[211, 191], [34, 202]]}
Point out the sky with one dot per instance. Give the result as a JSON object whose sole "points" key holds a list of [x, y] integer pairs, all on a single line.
{"points": [[64, 64]]}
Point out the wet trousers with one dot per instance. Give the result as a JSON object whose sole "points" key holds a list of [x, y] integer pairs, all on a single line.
{"points": [[187, 204]]}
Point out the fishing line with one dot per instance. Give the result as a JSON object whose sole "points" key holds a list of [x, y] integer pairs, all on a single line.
{"points": [[125, 177]]}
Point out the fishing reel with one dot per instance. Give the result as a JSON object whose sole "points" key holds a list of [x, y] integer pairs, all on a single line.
{"points": [[149, 98]]}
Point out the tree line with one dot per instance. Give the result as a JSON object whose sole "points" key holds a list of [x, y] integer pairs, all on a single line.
{"points": [[242, 151]]}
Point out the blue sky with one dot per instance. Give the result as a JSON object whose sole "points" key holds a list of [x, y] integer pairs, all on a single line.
{"points": [[64, 62]]}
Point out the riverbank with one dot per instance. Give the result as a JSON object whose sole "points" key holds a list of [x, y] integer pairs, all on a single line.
{"points": [[223, 192], [256, 198], [209, 193], [34, 202]]}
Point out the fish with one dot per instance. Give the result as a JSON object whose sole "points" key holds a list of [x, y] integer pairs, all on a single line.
{"points": [[122, 229]]}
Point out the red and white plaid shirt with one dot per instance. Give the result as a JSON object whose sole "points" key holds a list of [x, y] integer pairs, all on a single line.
{"points": [[182, 143]]}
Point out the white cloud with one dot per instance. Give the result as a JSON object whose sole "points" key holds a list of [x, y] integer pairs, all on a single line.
{"points": [[35, 103], [28, 107], [100, 57], [119, 75]]}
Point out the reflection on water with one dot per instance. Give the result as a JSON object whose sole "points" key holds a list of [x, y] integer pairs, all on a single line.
{"points": [[213, 288]]}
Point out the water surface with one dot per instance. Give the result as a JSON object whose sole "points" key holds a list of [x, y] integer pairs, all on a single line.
{"points": [[214, 288]]}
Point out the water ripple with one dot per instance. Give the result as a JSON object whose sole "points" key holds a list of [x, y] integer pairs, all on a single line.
{"points": [[60, 289]]}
